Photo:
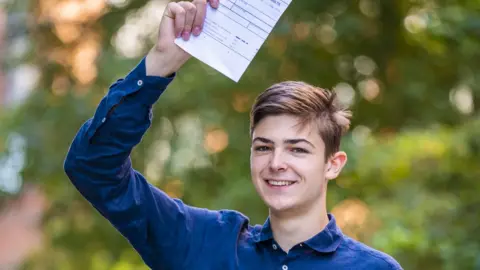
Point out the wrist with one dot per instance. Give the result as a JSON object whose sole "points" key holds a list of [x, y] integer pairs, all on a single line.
{"points": [[160, 64]]}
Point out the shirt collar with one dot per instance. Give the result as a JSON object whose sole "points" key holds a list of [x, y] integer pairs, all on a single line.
{"points": [[265, 233], [326, 241]]}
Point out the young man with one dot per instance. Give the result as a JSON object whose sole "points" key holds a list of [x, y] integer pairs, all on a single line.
{"points": [[295, 130]]}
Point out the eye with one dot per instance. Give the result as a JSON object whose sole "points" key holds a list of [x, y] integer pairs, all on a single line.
{"points": [[299, 150], [262, 148]]}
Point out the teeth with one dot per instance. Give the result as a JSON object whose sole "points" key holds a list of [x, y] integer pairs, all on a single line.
{"points": [[280, 183]]}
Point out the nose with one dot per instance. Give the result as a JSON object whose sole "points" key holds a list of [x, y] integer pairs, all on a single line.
{"points": [[277, 162]]}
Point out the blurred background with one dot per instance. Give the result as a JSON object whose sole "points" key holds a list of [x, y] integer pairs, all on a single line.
{"points": [[409, 69]]}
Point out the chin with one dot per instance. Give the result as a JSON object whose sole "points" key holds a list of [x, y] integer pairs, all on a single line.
{"points": [[280, 205]]}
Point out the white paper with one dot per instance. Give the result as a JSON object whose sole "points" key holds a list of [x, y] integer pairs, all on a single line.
{"points": [[233, 34]]}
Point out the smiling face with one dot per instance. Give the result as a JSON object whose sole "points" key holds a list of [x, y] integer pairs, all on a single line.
{"points": [[288, 164], [296, 130]]}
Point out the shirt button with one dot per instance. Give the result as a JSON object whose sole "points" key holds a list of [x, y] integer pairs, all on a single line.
{"points": [[284, 267], [274, 246], [104, 119], [301, 245], [139, 82]]}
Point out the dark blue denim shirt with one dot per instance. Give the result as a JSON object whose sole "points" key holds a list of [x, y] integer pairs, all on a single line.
{"points": [[167, 233]]}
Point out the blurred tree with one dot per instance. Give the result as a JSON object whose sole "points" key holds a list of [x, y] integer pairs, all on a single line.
{"points": [[408, 69]]}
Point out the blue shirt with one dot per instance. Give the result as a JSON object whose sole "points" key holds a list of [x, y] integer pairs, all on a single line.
{"points": [[167, 233]]}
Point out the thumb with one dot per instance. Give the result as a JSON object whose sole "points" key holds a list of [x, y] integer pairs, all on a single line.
{"points": [[167, 27], [173, 20]]}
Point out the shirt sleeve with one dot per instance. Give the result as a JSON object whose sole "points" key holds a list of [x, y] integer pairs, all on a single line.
{"points": [[161, 229]]}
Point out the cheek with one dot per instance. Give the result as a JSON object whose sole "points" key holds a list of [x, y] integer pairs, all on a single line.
{"points": [[309, 168], [258, 164]]}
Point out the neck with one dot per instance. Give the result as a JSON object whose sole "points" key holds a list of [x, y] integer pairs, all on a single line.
{"points": [[290, 229]]}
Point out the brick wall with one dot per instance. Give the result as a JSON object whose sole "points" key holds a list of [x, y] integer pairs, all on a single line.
{"points": [[20, 228]]}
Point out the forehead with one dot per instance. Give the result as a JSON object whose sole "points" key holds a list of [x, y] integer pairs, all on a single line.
{"points": [[282, 127]]}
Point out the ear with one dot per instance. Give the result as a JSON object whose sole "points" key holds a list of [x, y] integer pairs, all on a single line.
{"points": [[335, 165]]}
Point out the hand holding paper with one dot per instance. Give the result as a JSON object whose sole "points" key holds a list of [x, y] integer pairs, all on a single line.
{"points": [[179, 19], [233, 34]]}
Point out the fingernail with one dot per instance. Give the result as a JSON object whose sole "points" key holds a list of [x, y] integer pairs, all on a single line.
{"points": [[186, 35], [196, 30]]}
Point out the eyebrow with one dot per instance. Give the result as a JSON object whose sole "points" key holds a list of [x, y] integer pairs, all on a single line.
{"points": [[287, 141]]}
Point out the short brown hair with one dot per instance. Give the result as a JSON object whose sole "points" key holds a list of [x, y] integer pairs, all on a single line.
{"points": [[311, 104]]}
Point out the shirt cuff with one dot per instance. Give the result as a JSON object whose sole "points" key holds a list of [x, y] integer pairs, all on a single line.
{"points": [[147, 89], [137, 87]]}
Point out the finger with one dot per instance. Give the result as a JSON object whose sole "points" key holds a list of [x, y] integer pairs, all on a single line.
{"points": [[200, 16], [176, 12], [190, 11], [214, 3]]}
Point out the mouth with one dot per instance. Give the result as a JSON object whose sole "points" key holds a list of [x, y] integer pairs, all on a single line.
{"points": [[279, 183]]}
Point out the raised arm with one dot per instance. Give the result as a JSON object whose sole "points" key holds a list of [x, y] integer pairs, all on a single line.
{"points": [[98, 163]]}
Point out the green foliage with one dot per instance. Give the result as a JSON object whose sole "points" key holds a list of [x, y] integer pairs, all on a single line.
{"points": [[413, 156]]}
